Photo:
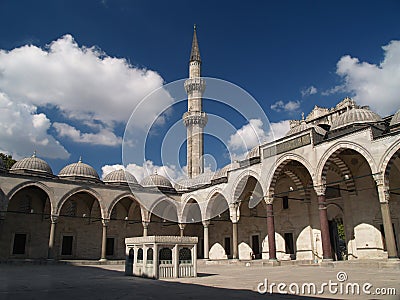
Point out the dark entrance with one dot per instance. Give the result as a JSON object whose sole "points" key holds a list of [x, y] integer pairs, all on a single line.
{"points": [[110, 247], [338, 239], [255, 246], [289, 245], [66, 248], [19, 243], [227, 246]]}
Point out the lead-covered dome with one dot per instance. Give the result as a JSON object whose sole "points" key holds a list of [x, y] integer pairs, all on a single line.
{"points": [[303, 126], [355, 116], [32, 165], [79, 170], [155, 180], [395, 119], [120, 176]]}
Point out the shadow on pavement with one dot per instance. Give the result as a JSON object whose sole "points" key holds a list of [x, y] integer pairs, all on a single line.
{"points": [[86, 282]]}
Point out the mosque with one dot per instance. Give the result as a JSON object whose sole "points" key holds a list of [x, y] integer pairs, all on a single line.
{"points": [[328, 190]]}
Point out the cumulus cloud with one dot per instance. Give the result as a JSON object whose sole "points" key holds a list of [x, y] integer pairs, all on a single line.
{"points": [[289, 106], [253, 134], [103, 137], [23, 130], [309, 91], [83, 83], [376, 85]]}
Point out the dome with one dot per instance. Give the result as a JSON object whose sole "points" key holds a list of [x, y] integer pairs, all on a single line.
{"points": [[395, 119], [32, 164], [255, 152], [355, 116], [120, 176], [79, 170], [155, 180], [305, 126], [195, 182]]}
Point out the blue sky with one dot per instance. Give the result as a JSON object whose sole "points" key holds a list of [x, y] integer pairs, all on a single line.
{"points": [[71, 92]]}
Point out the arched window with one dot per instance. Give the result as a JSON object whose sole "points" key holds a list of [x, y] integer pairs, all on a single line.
{"points": [[140, 255], [150, 256], [165, 256], [185, 256]]}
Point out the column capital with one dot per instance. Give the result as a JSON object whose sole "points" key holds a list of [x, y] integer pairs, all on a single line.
{"points": [[105, 222], [145, 224], [268, 199], [206, 223], [234, 211], [54, 218], [181, 226], [379, 179], [320, 190]]}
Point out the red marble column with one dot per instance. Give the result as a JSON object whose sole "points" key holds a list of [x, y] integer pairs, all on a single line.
{"points": [[271, 231]]}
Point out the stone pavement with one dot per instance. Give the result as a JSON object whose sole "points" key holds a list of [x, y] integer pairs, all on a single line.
{"points": [[233, 281]]}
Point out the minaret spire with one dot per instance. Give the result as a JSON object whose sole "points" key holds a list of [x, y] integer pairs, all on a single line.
{"points": [[195, 119], [195, 53]]}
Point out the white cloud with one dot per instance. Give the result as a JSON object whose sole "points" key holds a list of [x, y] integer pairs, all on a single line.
{"points": [[103, 137], [23, 130], [253, 134], [247, 137], [289, 106], [309, 91], [376, 85], [84, 84]]}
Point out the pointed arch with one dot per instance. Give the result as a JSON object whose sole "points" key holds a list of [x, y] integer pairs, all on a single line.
{"points": [[388, 158], [338, 147], [281, 165], [119, 198], [82, 189]]}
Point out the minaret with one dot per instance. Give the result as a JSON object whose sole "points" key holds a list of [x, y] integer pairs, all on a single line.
{"points": [[195, 119]]}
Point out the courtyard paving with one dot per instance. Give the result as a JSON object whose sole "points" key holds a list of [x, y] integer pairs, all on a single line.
{"points": [[232, 281]]}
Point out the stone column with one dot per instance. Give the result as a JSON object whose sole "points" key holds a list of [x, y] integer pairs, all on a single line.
{"points": [[181, 228], [206, 239], [51, 252], [155, 261], [194, 259], [104, 240], [383, 193], [175, 260], [234, 215], [145, 227], [323, 219], [235, 250], [271, 229]]}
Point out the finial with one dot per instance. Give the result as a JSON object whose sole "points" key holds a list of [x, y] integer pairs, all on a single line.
{"points": [[80, 159], [194, 26], [302, 116], [34, 154], [155, 171]]}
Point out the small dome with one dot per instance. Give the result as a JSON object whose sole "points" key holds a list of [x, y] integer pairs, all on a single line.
{"points": [[120, 176], [255, 152], [32, 164], [305, 126], [355, 116], [79, 170], [195, 182], [395, 119], [224, 171], [155, 180]]}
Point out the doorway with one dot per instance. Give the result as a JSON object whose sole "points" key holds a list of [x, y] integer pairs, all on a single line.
{"points": [[255, 246]]}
